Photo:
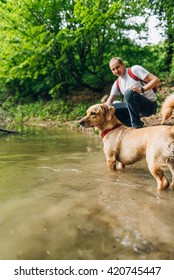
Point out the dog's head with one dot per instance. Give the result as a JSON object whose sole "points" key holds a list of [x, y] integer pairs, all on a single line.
{"points": [[98, 115]]}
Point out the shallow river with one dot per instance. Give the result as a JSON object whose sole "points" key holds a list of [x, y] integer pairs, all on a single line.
{"points": [[59, 201]]}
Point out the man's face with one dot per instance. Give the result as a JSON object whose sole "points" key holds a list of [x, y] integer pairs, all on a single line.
{"points": [[117, 68]]}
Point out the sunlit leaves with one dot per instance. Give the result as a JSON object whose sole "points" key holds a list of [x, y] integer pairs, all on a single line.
{"points": [[50, 46]]}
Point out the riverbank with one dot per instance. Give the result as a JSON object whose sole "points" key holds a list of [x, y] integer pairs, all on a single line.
{"points": [[85, 97], [59, 113]]}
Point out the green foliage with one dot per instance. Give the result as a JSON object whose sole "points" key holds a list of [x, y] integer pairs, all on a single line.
{"points": [[78, 111], [41, 111], [49, 48], [29, 50], [154, 59], [164, 10]]}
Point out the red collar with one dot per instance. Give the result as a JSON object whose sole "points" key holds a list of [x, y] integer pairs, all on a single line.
{"points": [[110, 129]]}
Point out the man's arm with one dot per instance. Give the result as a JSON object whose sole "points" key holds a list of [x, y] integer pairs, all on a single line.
{"points": [[110, 100], [151, 80]]}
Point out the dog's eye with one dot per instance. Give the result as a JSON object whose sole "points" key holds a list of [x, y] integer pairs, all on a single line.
{"points": [[93, 113]]}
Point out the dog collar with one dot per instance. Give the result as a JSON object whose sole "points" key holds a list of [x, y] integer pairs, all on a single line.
{"points": [[110, 129]]}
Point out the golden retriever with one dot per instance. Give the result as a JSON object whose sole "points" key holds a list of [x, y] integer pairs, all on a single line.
{"points": [[124, 145]]}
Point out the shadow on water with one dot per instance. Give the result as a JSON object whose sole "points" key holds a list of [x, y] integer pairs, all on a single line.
{"points": [[59, 201]]}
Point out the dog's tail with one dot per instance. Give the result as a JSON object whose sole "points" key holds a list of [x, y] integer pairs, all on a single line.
{"points": [[167, 108]]}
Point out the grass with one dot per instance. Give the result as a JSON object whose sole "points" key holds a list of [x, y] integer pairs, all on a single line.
{"points": [[43, 111], [56, 111]]}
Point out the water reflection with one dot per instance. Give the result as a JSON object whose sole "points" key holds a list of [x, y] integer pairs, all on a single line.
{"points": [[59, 201]]}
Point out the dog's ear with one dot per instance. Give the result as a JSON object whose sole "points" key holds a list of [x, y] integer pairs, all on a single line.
{"points": [[109, 111]]}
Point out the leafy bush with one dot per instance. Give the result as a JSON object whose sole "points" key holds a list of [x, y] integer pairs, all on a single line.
{"points": [[40, 111]]}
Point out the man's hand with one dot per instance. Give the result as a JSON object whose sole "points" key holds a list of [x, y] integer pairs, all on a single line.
{"points": [[138, 90], [110, 100]]}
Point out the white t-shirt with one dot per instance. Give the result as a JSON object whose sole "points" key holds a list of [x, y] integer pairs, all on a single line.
{"points": [[127, 82]]}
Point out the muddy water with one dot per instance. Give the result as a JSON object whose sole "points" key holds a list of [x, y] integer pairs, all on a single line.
{"points": [[59, 201]]}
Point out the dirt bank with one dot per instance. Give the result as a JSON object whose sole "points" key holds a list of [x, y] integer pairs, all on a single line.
{"points": [[86, 95]]}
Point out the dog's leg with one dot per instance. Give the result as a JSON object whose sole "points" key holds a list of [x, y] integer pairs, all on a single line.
{"points": [[170, 164], [156, 170], [157, 173], [110, 157], [120, 166], [111, 164]]}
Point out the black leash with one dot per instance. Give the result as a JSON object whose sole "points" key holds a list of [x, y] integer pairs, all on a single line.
{"points": [[3, 129], [7, 131]]}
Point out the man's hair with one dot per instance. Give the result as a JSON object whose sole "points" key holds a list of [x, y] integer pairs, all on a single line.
{"points": [[119, 59]]}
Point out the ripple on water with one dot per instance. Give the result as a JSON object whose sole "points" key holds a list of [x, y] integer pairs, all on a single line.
{"points": [[62, 170]]}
